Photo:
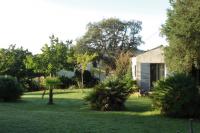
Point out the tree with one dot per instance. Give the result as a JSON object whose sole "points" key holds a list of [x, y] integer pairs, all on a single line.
{"points": [[83, 60], [108, 38], [55, 56], [12, 62], [182, 29], [123, 64]]}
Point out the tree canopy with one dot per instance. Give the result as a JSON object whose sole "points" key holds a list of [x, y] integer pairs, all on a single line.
{"points": [[54, 57], [182, 29], [110, 36], [12, 62]]}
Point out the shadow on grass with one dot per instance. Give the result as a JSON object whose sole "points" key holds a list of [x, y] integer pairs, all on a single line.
{"points": [[47, 92], [138, 107]]}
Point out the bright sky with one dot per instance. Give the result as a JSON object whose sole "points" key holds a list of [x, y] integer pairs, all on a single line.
{"points": [[29, 23]]}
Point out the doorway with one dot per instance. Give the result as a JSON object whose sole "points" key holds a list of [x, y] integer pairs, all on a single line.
{"points": [[157, 72]]}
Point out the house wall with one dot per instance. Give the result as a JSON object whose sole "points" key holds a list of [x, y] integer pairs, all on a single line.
{"points": [[134, 68], [152, 56], [143, 62]]}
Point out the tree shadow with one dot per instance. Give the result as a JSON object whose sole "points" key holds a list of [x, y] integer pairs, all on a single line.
{"points": [[47, 92]]}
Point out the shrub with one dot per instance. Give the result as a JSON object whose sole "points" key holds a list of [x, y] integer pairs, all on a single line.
{"points": [[177, 96], [88, 79], [32, 85], [66, 82], [51, 83], [109, 95], [10, 89]]}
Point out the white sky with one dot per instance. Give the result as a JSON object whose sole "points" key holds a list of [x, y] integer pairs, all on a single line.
{"points": [[29, 23]]}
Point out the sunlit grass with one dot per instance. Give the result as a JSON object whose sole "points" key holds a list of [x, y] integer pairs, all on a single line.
{"points": [[70, 113]]}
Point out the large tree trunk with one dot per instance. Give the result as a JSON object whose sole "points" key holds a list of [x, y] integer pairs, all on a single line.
{"points": [[50, 95]]}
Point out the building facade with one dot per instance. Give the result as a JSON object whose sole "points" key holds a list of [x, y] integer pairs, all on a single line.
{"points": [[148, 67]]}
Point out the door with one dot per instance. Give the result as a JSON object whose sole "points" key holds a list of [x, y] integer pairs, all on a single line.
{"points": [[145, 76], [157, 72]]}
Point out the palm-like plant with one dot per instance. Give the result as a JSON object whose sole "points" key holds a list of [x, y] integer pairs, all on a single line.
{"points": [[51, 83]]}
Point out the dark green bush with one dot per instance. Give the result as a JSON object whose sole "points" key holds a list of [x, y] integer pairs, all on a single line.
{"points": [[109, 95], [32, 85], [10, 89], [177, 96], [88, 79], [66, 82]]}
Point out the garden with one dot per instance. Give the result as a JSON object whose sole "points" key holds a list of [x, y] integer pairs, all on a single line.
{"points": [[71, 113], [88, 86]]}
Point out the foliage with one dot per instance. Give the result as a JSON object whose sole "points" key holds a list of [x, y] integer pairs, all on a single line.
{"points": [[12, 61], [51, 83], [110, 36], [109, 95], [35, 63], [177, 96], [33, 85], [182, 29], [135, 86], [88, 79], [66, 82], [124, 72], [123, 64], [83, 60], [10, 89], [55, 56]]}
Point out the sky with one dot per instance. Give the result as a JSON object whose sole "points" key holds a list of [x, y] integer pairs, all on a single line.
{"points": [[29, 23]]}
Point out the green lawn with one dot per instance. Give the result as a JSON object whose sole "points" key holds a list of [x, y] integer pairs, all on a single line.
{"points": [[70, 114]]}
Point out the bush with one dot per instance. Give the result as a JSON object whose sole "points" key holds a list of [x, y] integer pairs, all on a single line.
{"points": [[66, 82], [10, 89], [88, 79], [32, 85], [52, 82], [177, 96], [109, 95]]}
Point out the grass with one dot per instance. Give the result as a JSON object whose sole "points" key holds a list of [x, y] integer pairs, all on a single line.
{"points": [[70, 114]]}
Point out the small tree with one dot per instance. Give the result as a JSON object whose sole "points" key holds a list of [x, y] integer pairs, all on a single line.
{"points": [[83, 60], [123, 64], [51, 83]]}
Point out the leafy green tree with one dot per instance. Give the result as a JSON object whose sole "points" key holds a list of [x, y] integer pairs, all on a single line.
{"points": [[55, 56], [182, 29], [12, 63], [109, 37], [34, 63], [123, 64], [83, 60]]}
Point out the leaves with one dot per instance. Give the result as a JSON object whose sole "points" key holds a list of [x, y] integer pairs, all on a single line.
{"points": [[54, 57], [182, 29], [109, 36]]}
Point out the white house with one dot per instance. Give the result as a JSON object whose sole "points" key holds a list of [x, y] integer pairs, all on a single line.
{"points": [[149, 67]]}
